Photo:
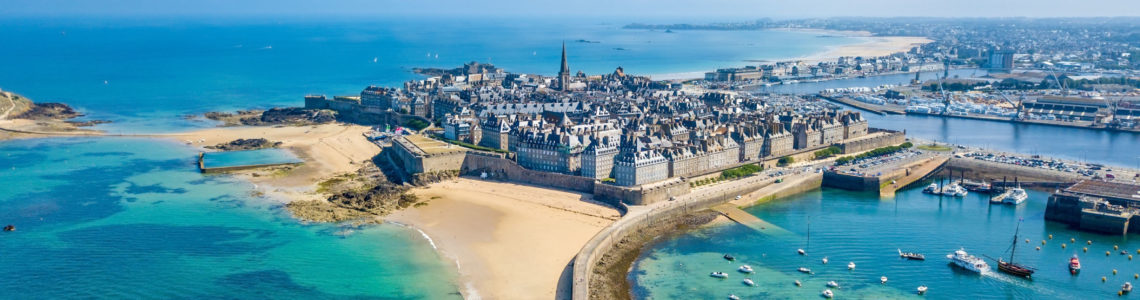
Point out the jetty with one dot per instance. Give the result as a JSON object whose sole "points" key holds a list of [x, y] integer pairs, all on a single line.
{"points": [[744, 218], [874, 108]]}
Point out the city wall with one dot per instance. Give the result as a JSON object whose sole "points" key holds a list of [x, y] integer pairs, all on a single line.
{"points": [[885, 138], [641, 195], [498, 167]]}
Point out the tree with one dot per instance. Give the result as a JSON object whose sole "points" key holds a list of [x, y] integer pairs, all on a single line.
{"points": [[786, 160]]}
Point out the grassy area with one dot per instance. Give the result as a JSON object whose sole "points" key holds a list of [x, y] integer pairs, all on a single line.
{"points": [[934, 147]]}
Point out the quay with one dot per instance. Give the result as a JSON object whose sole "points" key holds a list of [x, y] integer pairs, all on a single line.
{"points": [[1100, 206], [888, 178], [874, 108]]}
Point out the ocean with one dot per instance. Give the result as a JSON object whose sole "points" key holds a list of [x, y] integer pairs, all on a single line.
{"points": [[132, 218], [861, 228]]}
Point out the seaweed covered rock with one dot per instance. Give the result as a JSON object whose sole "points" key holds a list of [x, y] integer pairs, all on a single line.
{"points": [[246, 144]]}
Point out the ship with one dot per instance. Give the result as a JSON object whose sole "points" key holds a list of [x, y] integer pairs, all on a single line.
{"points": [[954, 190], [966, 261], [974, 186], [1010, 267]]}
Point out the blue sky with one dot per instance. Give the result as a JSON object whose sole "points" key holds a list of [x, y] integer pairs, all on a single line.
{"points": [[631, 9]]}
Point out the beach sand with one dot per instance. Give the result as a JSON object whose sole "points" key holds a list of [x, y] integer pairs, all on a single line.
{"points": [[328, 150], [510, 241]]}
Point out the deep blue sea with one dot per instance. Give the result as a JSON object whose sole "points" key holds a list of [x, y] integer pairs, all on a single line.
{"points": [[859, 227], [132, 218]]}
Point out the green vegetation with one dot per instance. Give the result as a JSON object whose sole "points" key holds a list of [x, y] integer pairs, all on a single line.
{"points": [[873, 153], [416, 124], [786, 160], [740, 171], [934, 147], [609, 180], [469, 145], [829, 152]]}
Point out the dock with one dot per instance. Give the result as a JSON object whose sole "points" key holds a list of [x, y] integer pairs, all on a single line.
{"points": [[875, 108], [744, 218], [914, 173]]}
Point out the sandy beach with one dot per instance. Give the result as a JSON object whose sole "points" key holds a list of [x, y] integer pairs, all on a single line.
{"points": [[874, 46], [327, 149], [509, 241]]}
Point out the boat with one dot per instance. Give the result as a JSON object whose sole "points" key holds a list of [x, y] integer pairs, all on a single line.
{"points": [[921, 289], [851, 265], [745, 269], [749, 282], [1074, 265], [804, 270], [824, 260], [1016, 196], [800, 251], [954, 190], [1011, 267], [798, 283], [733, 297], [828, 294], [807, 241], [931, 189], [10, 227], [911, 255], [966, 261], [1126, 288], [974, 186], [718, 274], [832, 284], [883, 280], [729, 257]]}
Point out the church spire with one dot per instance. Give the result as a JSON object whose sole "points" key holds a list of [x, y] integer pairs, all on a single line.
{"points": [[564, 72]]}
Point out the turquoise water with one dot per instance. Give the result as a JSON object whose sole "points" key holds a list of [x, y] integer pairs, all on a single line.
{"points": [[248, 158], [132, 218], [856, 227], [145, 74]]}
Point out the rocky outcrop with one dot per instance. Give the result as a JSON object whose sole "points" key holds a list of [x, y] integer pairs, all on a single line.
{"points": [[245, 144], [294, 116]]}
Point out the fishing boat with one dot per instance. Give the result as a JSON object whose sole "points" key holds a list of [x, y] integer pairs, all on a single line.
{"points": [[832, 284], [851, 265], [1016, 196], [745, 269], [729, 257], [1009, 266], [718, 274], [1074, 265], [1126, 288], [828, 294], [966, 261], [749, 282], [921, 289], [804, 270], [883, 280], [911, 255]]}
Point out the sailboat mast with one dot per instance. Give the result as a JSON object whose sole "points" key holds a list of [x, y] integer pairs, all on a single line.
{"points": [[808, 246], [1014, 249]]}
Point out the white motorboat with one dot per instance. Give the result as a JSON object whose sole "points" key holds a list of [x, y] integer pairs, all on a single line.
{"points": [[921, 289], [931, 189], [745, 269], [800, 251], [851, 265], [749, 282], [804, 270], [1016, 196], [828, 294], [883, 280], [954, 190], [798, 283], [832, 284], [718, 274], [824, 260], [969, 262], [733, 297]]}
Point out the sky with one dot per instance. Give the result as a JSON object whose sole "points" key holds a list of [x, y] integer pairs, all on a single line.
{"points": [[731, 10]]}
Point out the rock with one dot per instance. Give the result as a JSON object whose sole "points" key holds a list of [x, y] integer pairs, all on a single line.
{"points": [[245, 144]]}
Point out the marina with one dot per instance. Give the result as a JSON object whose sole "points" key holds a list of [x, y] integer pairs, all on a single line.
{"points": [[958, 223]]}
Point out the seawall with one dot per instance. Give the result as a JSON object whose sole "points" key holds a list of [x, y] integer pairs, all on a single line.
{"points": [[585, 267]]}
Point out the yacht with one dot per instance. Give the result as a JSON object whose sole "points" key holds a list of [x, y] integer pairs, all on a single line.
{"points": [[954, 190], [745, 269], [911, 255], [798, 283], [733, 297], [828, 294], [749, 282], [921, 289], [800, 251], [966, 261], [1126, 288], [718, 274], [804, 270], [931, 189], [729, 257], [1016, 196], [832, 284], [883, 280], [851, 265]]}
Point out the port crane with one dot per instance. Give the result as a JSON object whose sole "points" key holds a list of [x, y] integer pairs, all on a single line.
{"points": [[1016, 106]]}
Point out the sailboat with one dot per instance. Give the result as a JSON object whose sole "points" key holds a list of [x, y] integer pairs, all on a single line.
{"points": [[801, 251], [1009, 266]]}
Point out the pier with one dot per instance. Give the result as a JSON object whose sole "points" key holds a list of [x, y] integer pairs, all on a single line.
{"points": [[914, 173], [878, 109], [738, 215]]}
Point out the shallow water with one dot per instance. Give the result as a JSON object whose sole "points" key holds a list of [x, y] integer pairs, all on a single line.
{"points": [[248, 158], [133, 218], [856, 227]]}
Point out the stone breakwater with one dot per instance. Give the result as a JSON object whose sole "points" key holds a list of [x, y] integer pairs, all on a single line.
{"points": [[606, 256]]}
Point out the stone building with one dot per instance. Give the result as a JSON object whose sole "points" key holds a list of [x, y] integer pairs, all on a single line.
{"points": [[496, 131], [554, 151], [807, 135], [598, 157], [777, 141], [636, 165]]}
